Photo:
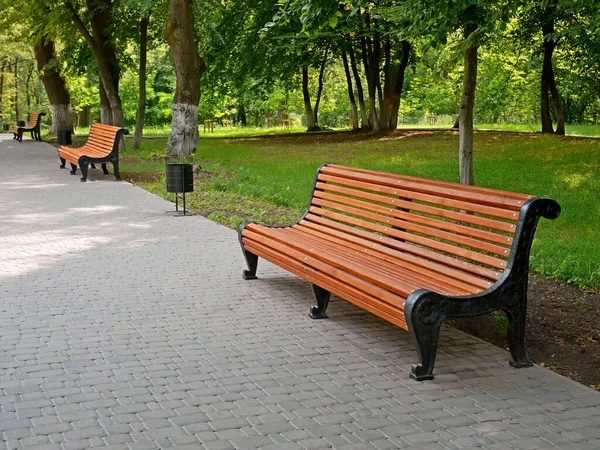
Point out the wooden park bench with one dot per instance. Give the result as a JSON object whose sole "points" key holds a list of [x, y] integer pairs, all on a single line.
{"points": [[35, 120], [102, 146], [411, 250]]}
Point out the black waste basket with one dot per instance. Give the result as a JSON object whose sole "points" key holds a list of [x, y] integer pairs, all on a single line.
{"points": [[64, 137], [180, 178], [5, 127], [20, 123]]}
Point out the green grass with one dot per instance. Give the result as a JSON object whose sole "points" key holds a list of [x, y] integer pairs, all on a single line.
{"points": [[278, 172], [571, 130]]}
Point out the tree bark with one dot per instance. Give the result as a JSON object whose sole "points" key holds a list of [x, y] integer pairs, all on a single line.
{"points": [[141, 111], [189, 67], [351, 99], [103, 50], [548, 82], [27, 82], [17, 90], [55, 86], [2, 85], [369, 63], [311, 122], [393, 84], [465, 132], [241, 115], [359, 88], [105, 109], [320, 89]]}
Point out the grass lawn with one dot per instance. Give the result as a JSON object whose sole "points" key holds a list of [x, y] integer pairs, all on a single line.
{"points": [[270, 179]]}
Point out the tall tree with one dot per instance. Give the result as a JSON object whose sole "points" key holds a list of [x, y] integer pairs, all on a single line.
{"points": [[548, 81], [102, 44], [189, 67], [54, 84], [478, 20], [141, 111], [312, 114]]}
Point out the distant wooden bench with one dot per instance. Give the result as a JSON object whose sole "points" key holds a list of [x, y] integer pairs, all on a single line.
{"points": [[102, 146], [411, 250], [35, 120]]}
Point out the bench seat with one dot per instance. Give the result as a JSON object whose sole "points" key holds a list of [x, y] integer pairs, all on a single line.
{"points": [[410, 250], [102, 146]]}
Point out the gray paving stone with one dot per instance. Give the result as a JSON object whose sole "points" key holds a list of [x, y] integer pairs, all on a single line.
{"points": [[167, 347]]}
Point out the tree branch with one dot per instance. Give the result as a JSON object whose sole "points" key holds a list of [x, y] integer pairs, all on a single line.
{"points": [[80, 25]]}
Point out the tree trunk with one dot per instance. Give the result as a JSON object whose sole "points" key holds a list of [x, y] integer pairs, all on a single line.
{"points": [[103, 50], [27, 82], [141, 111], [351, 99], [55, 86], [393, 84], [16, 90], [311, 122], [320, 89], [364, 120], [369, 64], [241, 115], [548, 82], [465, 133], [2, 85], [83, 117], [105, 109], [189, 66]]}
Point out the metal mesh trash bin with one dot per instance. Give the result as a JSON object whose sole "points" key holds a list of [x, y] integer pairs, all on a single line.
{"points": [[180, 178]]}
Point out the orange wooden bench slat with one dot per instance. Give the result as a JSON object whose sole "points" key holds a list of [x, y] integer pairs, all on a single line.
{"points": [[427, 198], [413, 238], [410, 248], [387, 266], [332, 265], [449, 184], [402, 257], [444, 274], [472, 195], [445, 215], [356, 296], [405, 225]]}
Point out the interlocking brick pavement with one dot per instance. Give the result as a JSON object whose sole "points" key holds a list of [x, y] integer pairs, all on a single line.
{"points": [[124, 327]]}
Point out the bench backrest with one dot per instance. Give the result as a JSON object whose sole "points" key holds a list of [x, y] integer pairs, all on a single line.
{"points": [[34, 119], [468, 229], [104, 137]]}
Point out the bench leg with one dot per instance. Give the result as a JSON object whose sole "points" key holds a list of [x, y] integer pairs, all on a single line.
{"points": [[252, 262], [424, 313], [84, 170], [322, 297], [516, 336], [115, 164], [425, 337], [63, 162], [73, 169], [104, 169]]}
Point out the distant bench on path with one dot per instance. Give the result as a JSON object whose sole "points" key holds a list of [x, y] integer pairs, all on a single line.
{"points": [[102, 146], [35, 120]]}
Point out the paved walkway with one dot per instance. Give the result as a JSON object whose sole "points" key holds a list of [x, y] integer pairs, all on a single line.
{"points": [[126, 328]]}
